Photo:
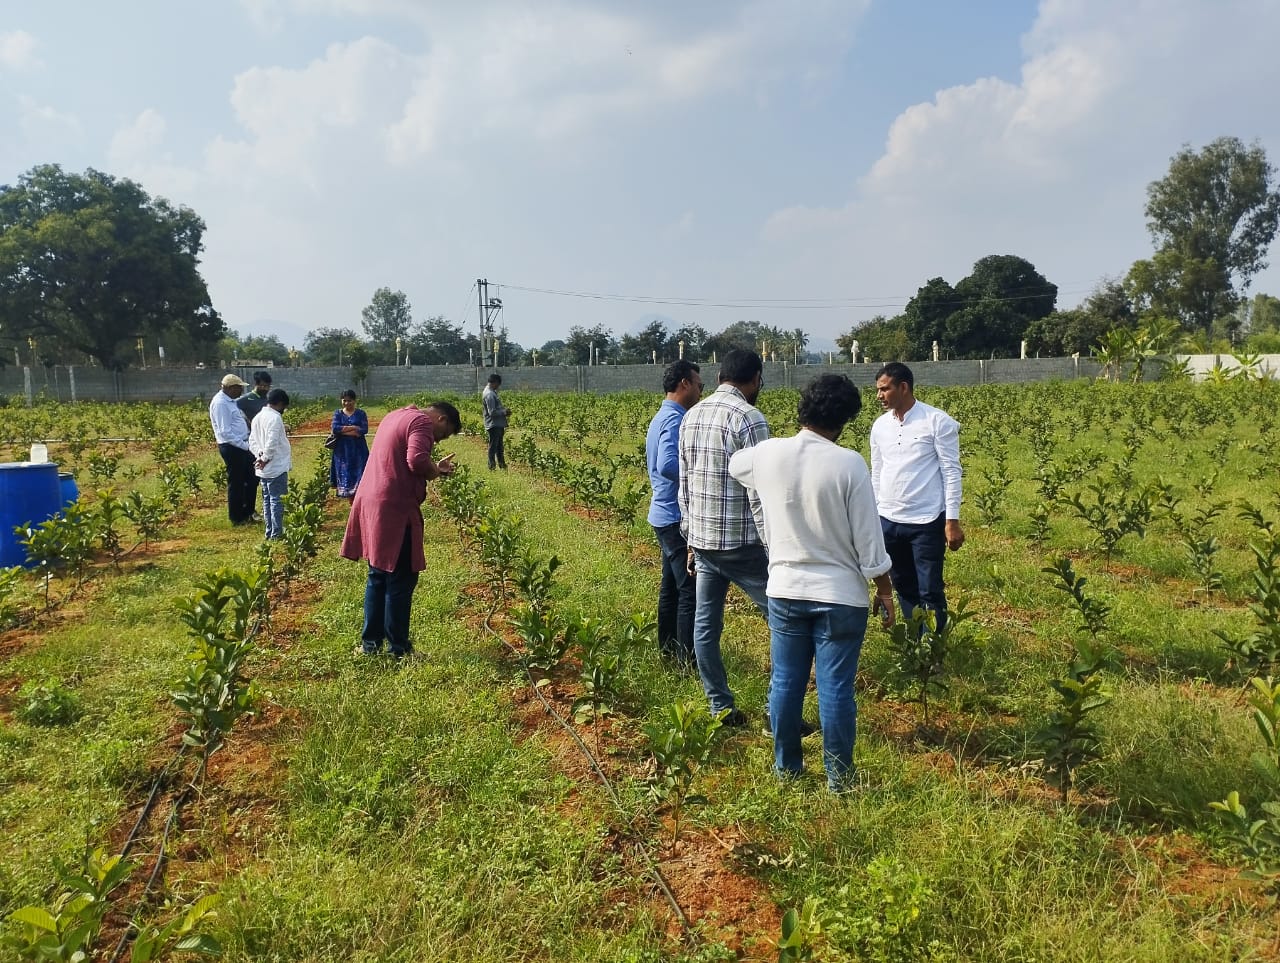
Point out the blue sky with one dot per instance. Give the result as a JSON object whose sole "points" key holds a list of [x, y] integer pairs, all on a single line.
{"points": [[805, 163]]}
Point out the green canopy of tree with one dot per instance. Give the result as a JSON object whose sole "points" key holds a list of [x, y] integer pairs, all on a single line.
{"points": [[268, 348], [387, 317], [925, 317], [437, 340], [332, 346], [1107, 308], [1000, 298], [90, 263], [578, 346], [1212, 219], [881, 339], [651, 342]]}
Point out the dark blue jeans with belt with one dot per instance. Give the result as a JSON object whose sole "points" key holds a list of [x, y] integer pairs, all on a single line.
{"points": [[917, 552]]}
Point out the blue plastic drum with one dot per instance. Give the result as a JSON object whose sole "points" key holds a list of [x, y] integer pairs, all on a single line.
{"points": [[29, 493], [68, 488]]}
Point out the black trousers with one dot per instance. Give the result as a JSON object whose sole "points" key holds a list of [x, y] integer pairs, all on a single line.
{"points": [[497, 449], [242, 483]]}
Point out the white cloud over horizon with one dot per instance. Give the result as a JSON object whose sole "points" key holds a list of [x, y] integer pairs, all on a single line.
{"points": [[745, 149]]}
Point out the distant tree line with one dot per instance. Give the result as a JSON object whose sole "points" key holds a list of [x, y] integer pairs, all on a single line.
{"points": [[92, 269]]}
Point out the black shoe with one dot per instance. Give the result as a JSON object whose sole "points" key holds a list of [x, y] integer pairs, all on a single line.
{"points": [[735, 719]]}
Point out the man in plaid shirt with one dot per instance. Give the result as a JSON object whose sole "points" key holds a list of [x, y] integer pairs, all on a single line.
{"points": [[718, 516]]}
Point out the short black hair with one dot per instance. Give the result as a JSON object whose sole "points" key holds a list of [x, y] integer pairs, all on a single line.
{"points": [[450, 414], [495, 379], [278, 396], [898, 373], [677, 372], [829, 402], [261, 378], [349, 393], [739, 366]]}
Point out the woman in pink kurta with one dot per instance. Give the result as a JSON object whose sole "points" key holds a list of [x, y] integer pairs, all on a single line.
{"points": [[385, 525]]}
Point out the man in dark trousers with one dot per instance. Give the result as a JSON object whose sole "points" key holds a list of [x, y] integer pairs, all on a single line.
{"points": [[682, 383], [495, 422], [385, 525], [231, 432], [915, 471]]}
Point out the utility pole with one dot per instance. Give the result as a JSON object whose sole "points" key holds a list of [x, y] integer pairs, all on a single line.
{"points": [[490, 308]]}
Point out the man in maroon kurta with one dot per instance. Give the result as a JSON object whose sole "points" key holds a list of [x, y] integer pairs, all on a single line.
{"points": [[385, 525]]}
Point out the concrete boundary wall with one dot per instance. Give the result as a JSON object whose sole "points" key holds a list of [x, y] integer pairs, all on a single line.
{"points": [[79, 383]]}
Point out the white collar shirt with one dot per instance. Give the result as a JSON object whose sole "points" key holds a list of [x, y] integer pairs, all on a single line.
{"points": [[915, 465], [229, 425]]}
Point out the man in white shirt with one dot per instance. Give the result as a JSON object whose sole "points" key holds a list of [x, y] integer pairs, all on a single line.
{"points": [[273, 458], [825, 543], [231, 432], [915, 469]]}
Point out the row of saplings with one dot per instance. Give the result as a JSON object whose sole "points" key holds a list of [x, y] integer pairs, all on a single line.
{"points": [[682, 741], [224, 616]]}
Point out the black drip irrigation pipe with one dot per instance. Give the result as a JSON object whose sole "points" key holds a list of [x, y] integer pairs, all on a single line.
{"points": [[650, 866]]}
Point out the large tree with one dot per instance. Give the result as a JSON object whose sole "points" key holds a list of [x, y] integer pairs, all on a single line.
{"points": [[925, 316], [439, 341], [334, 346], [881, 340], [1000, 298], [90, 263], [387, 317], [1212, 219], [651, 341], [578, 346], [1107, 308], [258, 347]]}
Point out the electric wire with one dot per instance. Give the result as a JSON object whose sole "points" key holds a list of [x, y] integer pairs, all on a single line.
{"points": [[787, 304]]}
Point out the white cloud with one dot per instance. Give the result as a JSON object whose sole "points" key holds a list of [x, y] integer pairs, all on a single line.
{"points": [[1053, 167], [18, 51], [41, 120], [302, 122], [138, 141]]}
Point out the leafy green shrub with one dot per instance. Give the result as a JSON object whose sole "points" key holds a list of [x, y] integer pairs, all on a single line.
{"points": [[681, 743], [884, 917], [48, 703]]}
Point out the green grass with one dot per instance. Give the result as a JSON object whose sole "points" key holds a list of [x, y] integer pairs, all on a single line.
{"points": [[411, 813]]}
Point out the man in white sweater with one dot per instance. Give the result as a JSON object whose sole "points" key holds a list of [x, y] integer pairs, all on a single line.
{"points": [[823, 534]]}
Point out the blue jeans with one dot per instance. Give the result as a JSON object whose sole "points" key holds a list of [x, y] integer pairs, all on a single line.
{"points": [[828, 638], [388, 598], [677, 598], [273, 490], [747, 568], [917, 552]]}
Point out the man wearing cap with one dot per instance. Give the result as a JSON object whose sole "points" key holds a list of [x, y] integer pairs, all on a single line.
{"points": [[231, 432], [252, 402]]}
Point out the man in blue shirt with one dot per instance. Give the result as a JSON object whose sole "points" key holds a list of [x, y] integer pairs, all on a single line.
{"points": [[676, 594]]}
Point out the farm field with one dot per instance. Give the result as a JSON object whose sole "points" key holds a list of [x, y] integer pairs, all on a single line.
{"points": [[497, 798]]}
